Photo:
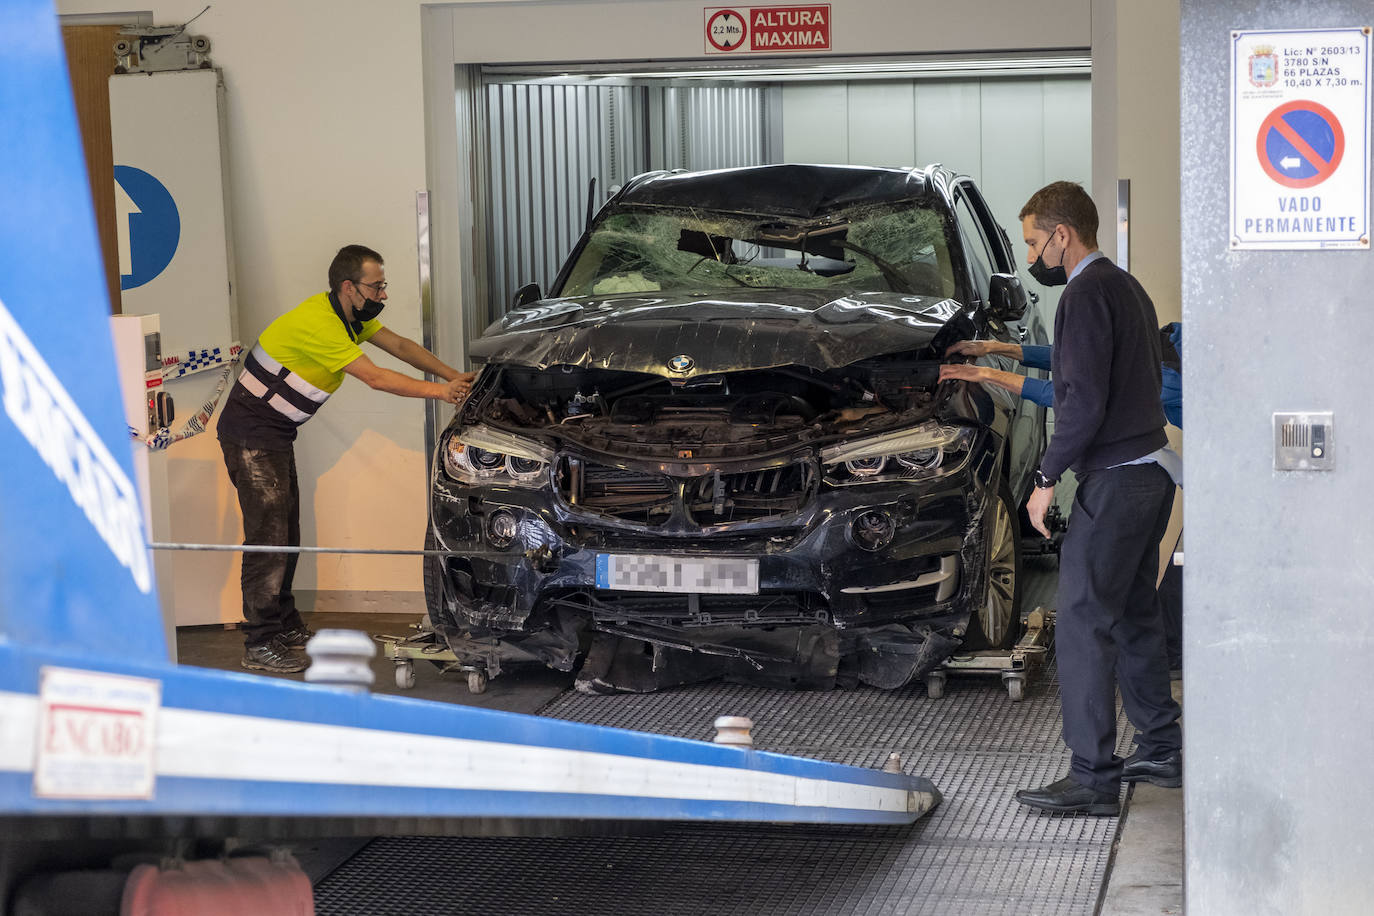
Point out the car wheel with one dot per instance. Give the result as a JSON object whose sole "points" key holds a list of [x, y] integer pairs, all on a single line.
{"points": [[996, 623], [433, 567]]}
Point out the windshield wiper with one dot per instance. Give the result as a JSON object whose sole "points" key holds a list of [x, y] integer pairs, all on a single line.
{"points": [[724, 269], [738, 280], [890, 273]]}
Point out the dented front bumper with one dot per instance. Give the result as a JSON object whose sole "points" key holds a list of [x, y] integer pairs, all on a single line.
{"points": [[821, 597]]}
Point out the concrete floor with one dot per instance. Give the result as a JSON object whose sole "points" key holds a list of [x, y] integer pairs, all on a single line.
{"points": [[524, 691], [1147, 872], [1146, 875]]}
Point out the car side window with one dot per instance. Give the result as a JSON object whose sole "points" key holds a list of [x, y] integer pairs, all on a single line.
{"points": [[1003, 259], [980, 258]]}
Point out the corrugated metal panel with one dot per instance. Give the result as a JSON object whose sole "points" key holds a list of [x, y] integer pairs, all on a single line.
{"points": [[545, 143], [544, 146], [715, 127]]}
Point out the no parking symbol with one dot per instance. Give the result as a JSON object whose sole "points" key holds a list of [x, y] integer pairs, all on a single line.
{"points": [[1300, 119], [1301, 144]]}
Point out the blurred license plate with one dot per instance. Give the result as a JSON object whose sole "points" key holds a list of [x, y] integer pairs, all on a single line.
{"points": [[640, 573]]}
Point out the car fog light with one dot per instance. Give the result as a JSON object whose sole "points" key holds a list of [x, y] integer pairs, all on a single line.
{"points": [[501, 528], [873, 530]]}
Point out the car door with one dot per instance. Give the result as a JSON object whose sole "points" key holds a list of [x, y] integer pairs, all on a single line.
{"points": [[989, 252]]}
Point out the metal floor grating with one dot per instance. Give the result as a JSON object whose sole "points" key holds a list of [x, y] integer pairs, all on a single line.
{"points": [[978, 852]]}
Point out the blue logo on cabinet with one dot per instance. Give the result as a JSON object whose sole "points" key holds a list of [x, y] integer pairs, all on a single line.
{"points": [[148, 225]]}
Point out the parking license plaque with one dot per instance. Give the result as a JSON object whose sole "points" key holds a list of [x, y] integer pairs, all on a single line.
{"points": [[704, 575]]}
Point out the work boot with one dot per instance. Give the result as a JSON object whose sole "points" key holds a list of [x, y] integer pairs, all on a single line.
{"points": [[1068, 797], [1166, 771], [271, 657], [294, 638]]}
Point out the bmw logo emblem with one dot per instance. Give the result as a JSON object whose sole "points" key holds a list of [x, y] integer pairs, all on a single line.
{"points": [[681, 363]]}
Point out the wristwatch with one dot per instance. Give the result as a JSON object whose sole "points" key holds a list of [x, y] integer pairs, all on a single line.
{"points": [[1042, 482]]}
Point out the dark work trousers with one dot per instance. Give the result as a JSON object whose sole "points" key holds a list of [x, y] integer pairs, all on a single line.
{"points": [[1171, 607], [271, 504], [1108, 630]]}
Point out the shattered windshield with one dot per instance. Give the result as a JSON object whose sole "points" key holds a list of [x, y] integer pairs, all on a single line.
{"points": [[900, 247]]}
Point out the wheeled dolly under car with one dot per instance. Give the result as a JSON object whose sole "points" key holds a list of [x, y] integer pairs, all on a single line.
{"points": [[426, 645], [1014, 664]]}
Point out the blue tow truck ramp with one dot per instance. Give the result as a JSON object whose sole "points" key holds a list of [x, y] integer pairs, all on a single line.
{"points": [[97, 728], [80, 735], [87, 736]]}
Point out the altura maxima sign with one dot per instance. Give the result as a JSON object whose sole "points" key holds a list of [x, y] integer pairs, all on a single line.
{"points": [[1300, 139], [754, 29]]}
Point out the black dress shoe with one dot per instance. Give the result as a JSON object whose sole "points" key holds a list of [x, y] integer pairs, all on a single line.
{"points": [[1068, 797], [1166, 772]]}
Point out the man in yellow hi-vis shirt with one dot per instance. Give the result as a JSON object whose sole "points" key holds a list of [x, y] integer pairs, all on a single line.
{"points": [[300, 360]]}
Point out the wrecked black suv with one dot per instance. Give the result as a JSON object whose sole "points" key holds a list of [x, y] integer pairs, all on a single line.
{"points": [[720, 447]]}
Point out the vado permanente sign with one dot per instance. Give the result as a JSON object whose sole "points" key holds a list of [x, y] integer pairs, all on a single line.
{"points": [[1300, 141], [754, 29]]}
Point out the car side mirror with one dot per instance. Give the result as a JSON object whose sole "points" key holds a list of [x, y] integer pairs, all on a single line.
{"points": [[1007, 297], [526, 294]]}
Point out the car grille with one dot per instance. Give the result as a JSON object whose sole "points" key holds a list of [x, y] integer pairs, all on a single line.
{"points": [[707, 501], [633, 496], [748, 496]]}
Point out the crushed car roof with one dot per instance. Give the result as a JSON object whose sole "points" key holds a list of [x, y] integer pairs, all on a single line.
{"points": [[800, 191]]}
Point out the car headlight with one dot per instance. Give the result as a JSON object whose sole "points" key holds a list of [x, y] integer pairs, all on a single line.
{"points": [[484, 461], [487, 456], [866, 467], [922, 459], [922, 453], [521, 468]]}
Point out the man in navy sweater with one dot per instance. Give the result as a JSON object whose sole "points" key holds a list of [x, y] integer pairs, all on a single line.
{"points": [[1041, 391], [1109, 428]]}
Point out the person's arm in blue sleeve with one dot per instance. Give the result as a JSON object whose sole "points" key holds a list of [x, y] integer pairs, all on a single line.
{"points": [[1171, 395], [1171, 383], [1036, 357], [1031, 389], [985, 348], [1039, 391]]}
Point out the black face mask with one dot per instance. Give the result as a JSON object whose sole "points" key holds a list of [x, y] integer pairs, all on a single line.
{"points": [[1046, 275], [371, 308]]}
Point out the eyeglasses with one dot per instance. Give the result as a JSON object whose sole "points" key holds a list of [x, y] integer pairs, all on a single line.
{"points": [[379, 286]]}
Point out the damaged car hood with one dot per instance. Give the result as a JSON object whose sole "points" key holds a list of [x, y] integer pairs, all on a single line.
{"points": [[681, 337]]}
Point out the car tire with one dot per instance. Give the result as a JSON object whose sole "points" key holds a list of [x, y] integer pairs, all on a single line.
{"points": [[996, 622], [433, 566]]}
